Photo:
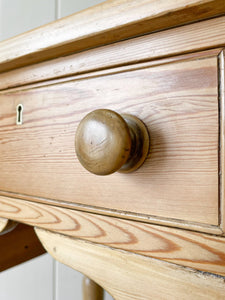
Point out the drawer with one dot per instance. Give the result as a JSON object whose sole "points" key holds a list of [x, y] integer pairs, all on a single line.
{"points": [[178, 101]]}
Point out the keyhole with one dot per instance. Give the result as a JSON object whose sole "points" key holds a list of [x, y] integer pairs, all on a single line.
{"points": [[19, 117]]}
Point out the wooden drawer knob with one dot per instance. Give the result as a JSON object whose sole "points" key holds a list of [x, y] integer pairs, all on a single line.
{"points": [[106, 142]]}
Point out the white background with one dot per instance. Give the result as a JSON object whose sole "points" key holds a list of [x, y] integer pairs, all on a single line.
{"points": [[41, 278]]}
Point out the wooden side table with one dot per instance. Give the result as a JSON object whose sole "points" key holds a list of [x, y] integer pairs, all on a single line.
{"points": [[150, 224]]}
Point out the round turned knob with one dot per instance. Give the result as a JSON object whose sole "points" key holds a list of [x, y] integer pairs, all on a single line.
{"points": [[106, 142]]}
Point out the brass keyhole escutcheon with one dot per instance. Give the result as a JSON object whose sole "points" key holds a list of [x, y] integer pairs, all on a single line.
{"points": [[107, 142], [19, 114]]}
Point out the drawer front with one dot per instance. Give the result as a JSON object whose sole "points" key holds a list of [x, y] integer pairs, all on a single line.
{"points": [[177, 101]]}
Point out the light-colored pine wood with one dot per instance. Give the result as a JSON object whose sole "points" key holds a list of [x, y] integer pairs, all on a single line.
{"points": [[91, 290], [190, 38], [181, 100], [6, 225], [222, 141], [129, 276], [178, 102], [18, 246], [192, 249], [105, 23], [195, 226]]}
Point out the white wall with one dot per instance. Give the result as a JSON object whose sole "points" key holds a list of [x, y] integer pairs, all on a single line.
{"points": [[41, 278], [32, 280], [18, 16]]}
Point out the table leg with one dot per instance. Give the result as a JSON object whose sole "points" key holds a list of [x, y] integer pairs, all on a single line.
{"points": [[91, 290]]}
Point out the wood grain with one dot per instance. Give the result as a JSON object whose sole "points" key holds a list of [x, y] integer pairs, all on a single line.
{"points": [[178, 102], [222, 141], [18, 246], [197, 250], [106, 23], [189, 38], [103, 142], [107, 142], [128, 276]]}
